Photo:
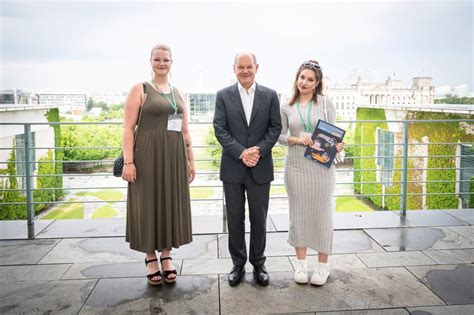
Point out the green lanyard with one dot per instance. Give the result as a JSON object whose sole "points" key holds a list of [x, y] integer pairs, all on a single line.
{"points": [[308, 127], [172, 102]]}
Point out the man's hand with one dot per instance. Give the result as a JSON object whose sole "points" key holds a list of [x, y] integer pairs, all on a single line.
{"points": [[251, 156]]}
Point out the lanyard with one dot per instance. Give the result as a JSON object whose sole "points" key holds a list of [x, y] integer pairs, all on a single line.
{"points": [[307, 128], [172, 102]]}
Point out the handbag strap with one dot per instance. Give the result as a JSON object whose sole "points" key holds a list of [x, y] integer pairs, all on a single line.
{"points": [[139, 115]]}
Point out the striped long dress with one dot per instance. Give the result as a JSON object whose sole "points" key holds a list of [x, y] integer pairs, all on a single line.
{"points": [[310, 187]]}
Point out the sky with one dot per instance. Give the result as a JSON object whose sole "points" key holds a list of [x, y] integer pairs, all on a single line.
{"points": [[105, 45]]}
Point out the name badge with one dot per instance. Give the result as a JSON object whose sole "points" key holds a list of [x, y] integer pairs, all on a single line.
{"points": [[175, 122]]}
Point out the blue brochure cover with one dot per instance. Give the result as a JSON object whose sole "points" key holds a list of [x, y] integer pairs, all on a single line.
{"points": [[325, 137]]}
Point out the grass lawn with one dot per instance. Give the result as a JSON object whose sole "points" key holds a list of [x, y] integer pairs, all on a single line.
{"points": [[104, 194], [201, 192], [106, 211], [277, 190], [201, 153], [205, 166], [66, 211], [350, 204]]}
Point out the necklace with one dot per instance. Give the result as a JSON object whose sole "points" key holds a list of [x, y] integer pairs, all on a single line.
{"points": [[173, 101], [306, 125]]}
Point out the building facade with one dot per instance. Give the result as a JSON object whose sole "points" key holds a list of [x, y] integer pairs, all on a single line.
{"points": [[12, 137], [388, 93], [66, 102], [14, 96]]}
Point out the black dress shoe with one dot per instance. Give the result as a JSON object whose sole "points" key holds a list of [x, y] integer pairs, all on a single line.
{"points": [[236, 275], [261, 275]]}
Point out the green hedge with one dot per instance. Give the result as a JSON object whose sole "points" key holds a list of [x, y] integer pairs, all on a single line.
{"points": [[365, 134], [471, 190], [45, 167], [436, 132], [11, 212], [440, 132], [91, 135], [46, 197], [53, 116]]}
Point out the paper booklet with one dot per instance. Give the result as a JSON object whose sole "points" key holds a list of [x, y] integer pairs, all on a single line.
{"points": [[325, 137]]}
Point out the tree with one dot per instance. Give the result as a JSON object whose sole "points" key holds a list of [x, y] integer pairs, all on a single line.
{"points": [[453, 99], [90, 104]]}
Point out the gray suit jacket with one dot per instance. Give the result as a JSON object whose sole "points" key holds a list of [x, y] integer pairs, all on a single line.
{"points": [[234, 135]]}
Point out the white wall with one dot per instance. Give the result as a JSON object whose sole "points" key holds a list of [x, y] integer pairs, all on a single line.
{"points": [[44, 134]]}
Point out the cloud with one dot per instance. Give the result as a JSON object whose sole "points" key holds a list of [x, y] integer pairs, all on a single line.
{"points": [[107, 43]]}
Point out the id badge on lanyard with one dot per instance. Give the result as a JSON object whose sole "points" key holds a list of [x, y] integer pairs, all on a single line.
{"points": [[175, 122]]}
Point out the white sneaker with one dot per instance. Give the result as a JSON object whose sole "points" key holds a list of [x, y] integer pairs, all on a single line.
{"points": [[321, 274], [301, 271]]}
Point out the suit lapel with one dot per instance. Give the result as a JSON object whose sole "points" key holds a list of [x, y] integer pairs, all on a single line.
{"points": [[257, 101], [235, 96]]}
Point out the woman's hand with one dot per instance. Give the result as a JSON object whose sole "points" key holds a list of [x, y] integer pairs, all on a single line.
{"points": [[129, 173], [191, 172], [305, 140], [340, 146]]}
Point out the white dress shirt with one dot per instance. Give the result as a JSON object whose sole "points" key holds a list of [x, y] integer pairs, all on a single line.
{"points": [[247, 97]]}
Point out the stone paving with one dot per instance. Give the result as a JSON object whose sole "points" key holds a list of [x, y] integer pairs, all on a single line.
{"points": [[382, 264]]}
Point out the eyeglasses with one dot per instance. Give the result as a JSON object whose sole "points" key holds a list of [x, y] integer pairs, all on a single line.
{"points": [[312, 65]]}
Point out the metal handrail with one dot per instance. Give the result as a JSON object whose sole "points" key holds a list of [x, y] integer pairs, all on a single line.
{"points": [[29, 176], [213, 160]]}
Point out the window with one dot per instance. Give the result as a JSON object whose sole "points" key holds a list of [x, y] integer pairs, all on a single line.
{"points": [[385, 156]]}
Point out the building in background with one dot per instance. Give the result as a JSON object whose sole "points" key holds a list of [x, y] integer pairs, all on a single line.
{"points": [[202, 103], [14, 96], [389, 93], [108, 98], [12, 137], [74, 103]]}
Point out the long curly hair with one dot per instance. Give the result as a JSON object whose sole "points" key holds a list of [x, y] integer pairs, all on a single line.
{"points": [[318, 73]]}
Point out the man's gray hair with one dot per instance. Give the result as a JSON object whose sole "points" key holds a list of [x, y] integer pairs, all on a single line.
{"points": [[245, 53]]}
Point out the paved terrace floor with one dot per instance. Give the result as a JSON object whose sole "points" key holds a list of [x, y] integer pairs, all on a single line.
{"points": [[382, 264]]}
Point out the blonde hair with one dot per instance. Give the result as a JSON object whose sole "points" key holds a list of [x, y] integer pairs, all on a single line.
{"points": [[162, 47]]}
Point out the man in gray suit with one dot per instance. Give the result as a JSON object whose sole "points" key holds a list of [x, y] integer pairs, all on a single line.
{"points": [[247, 125]]}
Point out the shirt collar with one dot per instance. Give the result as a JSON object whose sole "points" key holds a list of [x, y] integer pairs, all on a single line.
{"points": [[242, 89]]}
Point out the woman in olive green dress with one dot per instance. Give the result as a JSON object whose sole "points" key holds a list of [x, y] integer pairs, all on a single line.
{"points": [[159, 165]]}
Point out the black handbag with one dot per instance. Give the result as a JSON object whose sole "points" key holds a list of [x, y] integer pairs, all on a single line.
{"points": [[119, 162], [118, 166]]}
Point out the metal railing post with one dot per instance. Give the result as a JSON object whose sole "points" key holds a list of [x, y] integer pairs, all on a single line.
{"points": [[29, 183], [224, 211], [403, 203]]}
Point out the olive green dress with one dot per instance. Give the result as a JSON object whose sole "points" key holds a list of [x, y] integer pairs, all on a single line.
{"points": [[158, 203]]}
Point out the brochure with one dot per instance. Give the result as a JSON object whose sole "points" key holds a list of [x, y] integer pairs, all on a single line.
{"points": [[325, 137]]}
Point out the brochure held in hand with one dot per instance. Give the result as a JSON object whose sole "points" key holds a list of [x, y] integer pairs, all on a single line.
{"points": [[325, 137]]}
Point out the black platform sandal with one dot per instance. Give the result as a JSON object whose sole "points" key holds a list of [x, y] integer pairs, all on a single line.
{"points": [[167, 273], [153, 275]]}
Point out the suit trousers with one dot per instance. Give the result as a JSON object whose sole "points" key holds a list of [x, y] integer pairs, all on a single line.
{"points": [[257, 196]]}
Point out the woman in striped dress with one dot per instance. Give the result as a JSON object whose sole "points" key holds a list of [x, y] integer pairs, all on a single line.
{"points": [[310, 187]]}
